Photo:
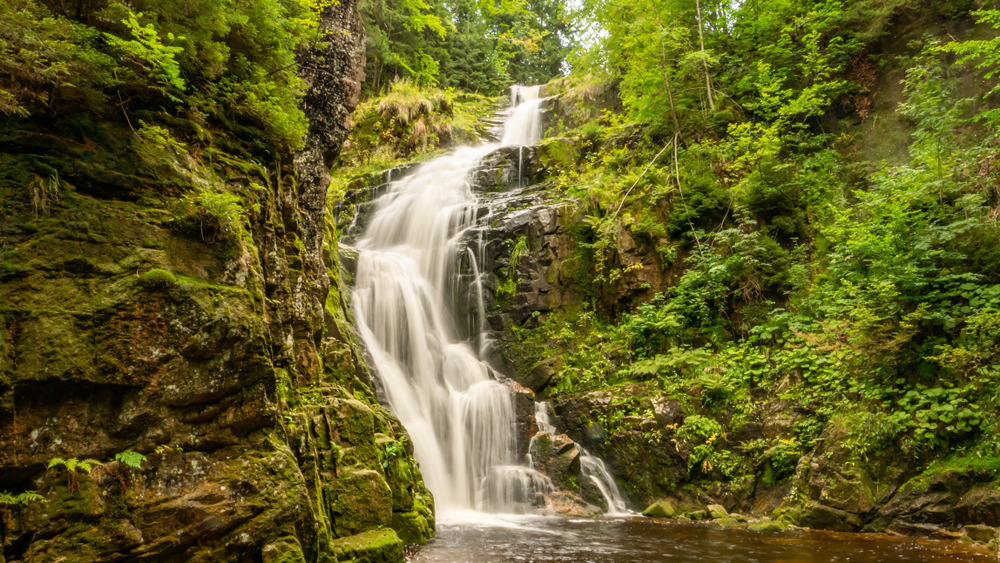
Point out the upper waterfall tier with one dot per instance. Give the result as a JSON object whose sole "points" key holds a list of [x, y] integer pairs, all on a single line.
{"points": [[524, 125]]}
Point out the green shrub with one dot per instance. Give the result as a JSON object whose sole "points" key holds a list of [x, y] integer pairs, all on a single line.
{"points": [[211, 215], [158, 279]]}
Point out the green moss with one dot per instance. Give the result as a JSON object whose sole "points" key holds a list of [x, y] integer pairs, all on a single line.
{"points": [[375, 546], [285, 550], [981, 466], [158, 279], [411, 527], [660, 509], [772, 526]]}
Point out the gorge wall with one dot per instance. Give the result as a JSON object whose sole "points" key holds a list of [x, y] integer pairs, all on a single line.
{"points": [[222, 353]]}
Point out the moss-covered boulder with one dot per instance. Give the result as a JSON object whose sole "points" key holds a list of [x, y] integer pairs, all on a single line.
{"points": [[374, 546], [360, 500], [770, 526], [285, 550], [981, 532], [659, 509], [717, 511], [411, 527]]}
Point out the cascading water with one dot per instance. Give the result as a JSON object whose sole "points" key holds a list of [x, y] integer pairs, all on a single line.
{"points": [[591, 467], [460, 419]]}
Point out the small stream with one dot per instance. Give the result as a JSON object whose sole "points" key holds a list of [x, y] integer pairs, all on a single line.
{"points": [[478, 538]]}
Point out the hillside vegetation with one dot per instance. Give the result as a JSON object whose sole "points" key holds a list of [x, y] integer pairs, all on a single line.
{"points": [[819, 185]]}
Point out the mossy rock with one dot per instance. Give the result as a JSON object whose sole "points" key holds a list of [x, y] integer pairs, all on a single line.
{"points": [[411, 527], [770, 526], [659, 509], [717, 511], [374, 546], [698, 515], [157, 279], [423, 504], [981, 532], [285, 550], [361, 500]]}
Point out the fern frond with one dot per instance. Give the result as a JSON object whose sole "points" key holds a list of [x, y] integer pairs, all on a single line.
{"points": [[23, 498], [30, 496], [58, 461], [130, 458], [88, 465]]}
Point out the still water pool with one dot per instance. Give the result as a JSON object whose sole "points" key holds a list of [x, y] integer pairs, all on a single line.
{"points": [[473, 538]]}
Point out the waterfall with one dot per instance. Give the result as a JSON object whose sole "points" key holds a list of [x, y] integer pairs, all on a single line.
{"points": [[591, 467], [461, 420], [524, 126]]}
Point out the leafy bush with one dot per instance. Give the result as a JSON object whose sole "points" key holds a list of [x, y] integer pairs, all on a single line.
{"points": [[226, 65], [214, 214]]}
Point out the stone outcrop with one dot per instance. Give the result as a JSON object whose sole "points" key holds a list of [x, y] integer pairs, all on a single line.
{"points": [[225, 358]]}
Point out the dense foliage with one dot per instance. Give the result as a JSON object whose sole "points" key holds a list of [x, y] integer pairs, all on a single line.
{"points": [[864, 292], [839, 262], [216, 67], [476, 45]]}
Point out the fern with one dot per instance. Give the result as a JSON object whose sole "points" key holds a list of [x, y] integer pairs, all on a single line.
{"points": [[23, 498], [130, 458], [73, 466]]}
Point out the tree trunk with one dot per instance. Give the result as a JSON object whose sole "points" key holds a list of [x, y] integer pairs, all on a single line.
{"points": [[704, 58]]}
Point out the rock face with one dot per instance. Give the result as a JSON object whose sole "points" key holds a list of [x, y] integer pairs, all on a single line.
{"points": [[557, 457], [234, 371]]}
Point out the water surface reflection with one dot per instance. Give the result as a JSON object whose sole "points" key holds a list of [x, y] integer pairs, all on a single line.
{"points": [[472, 538]]}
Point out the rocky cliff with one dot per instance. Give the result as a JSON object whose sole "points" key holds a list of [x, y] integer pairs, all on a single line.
{"points": [[219, 352]]}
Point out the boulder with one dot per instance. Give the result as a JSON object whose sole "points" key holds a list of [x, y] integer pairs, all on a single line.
{"points": [[556, 457], [411, 527], [543, 372], [286, 550], [918, 530], [375, 546], [820, 516], [360, 500], [925, 500], [659, 509], [769, 526], [717, 511], [524, 415], [981, 532], [565, 503], [981, 504]]}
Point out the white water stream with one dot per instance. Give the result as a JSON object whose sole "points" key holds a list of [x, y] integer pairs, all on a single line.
{"points": [[461, 421]]}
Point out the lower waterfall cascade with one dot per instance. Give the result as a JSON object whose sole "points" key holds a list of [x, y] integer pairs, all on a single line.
{"points": [[458, 411]]}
